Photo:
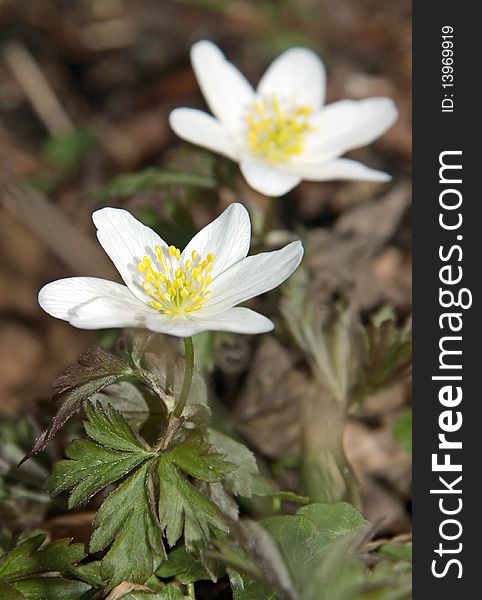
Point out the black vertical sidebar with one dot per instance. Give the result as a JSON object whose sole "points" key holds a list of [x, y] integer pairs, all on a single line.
{"points": [[447, 543]]}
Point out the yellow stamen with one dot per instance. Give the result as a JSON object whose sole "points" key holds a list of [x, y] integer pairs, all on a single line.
{"points": [[276, 131], [176, 288]]}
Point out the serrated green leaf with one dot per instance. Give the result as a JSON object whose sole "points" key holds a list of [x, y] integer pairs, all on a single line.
{"points": [[241, 479], [130, 184], [30, 558], [127, 519], [92, 466], [43, 588], [198, 460], [90, 573], [90, 469], [182, 507], [110, 429], [183, 566], [22, 567]]}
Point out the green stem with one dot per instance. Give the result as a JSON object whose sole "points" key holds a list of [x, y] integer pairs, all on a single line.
{"points": [[186, 384], [191, 591], [268, 218]]}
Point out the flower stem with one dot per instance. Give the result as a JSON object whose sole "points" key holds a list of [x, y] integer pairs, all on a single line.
{"points": [[188, 371], [191, 591], [269, 217]]}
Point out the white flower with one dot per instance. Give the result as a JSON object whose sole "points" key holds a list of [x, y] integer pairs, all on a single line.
{"points": [[169, 291], [281, 132]]}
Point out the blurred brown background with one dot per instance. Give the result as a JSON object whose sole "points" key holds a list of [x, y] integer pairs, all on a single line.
{"points": [[116, 68]]}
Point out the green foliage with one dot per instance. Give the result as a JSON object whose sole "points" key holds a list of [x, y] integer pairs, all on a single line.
{"points": [[183, 566], [241, 479], [318, 526], [402, 429], [34, 571], [130, 184], [183, 507], [127, 519], [396, 551], [303, 540], [160, 493], [319, 550], [92, 466], [197, 459]]}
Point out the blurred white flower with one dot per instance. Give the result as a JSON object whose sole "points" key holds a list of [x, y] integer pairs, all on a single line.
{"points": [[281, 132], [169, 291]]}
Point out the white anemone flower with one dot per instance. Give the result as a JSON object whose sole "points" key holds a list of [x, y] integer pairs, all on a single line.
{"points": [[281, 132], [169, 291]]}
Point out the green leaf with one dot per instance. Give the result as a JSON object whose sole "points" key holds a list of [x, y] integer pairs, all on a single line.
{"points": [[127, 185], [396, 551], [304, 537], [110, 429], [241, 479], [402, 429], [27, 571], [198, 460], [183, 507], [304, 540], [90, 573], [29, 558], [160, 591], [91, 467], [42, 588], [256, 567], [128, 520], [96, 369], [244, 588], [183, 566]]}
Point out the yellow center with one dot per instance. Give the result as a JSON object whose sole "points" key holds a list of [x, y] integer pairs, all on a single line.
{"points": [[277, 132], [179, 286]]}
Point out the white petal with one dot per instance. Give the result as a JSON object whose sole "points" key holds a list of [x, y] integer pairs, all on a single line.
{"points": [[298, 75], [268, 180], [236, 320], [252, 276], [342, 168], [202, 129], [91, 303], [348, 124], [228, 94], [228, 237], [126, 240]]}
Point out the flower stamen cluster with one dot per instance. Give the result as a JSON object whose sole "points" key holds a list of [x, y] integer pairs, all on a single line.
{"points": [[276, 131], [176, 286]]}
